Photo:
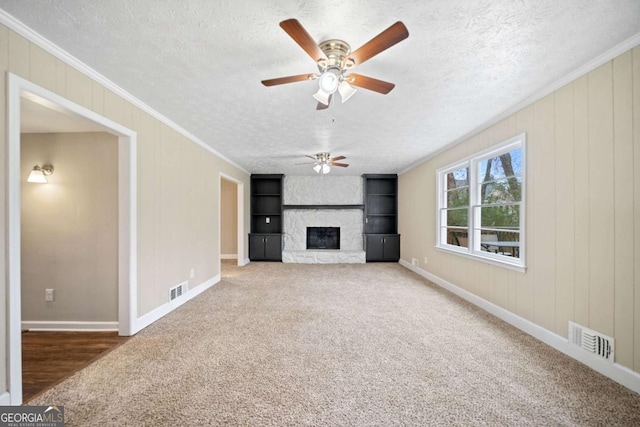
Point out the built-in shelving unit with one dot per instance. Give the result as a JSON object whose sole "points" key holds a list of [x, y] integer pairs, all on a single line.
{"points": [[382, 241], [265, 239]]}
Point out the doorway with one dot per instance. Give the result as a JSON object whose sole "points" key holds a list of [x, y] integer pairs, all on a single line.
{"points": [[22, 91], [231, 219], [71, 282]]}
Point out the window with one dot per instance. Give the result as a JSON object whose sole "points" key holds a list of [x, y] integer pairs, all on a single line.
{"points": [[481, 205]]}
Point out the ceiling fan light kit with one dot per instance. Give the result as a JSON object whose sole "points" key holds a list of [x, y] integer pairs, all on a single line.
{"points": [[334, 59], [332, 77], [322, 169]]}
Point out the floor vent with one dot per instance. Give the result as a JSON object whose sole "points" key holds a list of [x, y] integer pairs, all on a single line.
{"points": [[591, 341], [178, 291]]}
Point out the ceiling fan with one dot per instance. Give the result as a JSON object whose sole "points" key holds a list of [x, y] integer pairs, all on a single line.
{"points": [[335, 59], [323, 162]]}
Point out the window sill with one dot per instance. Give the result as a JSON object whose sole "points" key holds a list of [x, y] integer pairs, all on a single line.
{"points": [[486, 259]]}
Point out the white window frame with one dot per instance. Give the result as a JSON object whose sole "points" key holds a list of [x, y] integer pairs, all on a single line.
{"points": [[474, 250]]}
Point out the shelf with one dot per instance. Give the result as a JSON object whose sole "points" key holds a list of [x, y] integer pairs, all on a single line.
{"points": [[266, 205], [323, 207], [381, 212]]}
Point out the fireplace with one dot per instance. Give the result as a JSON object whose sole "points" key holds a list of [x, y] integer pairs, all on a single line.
{"points": [[323, 237]]}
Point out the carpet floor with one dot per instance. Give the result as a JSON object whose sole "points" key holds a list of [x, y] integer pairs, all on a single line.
{"points": [[330, 345]]}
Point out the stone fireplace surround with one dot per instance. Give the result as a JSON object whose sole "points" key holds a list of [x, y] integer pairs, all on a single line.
{"points": [[307, 191]]}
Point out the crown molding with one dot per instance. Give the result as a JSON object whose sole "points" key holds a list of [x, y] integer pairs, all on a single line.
{"points": [[55, 50]]}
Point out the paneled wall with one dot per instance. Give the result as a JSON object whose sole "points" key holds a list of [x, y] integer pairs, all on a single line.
{"points": [[177, 188], [582, 214]]}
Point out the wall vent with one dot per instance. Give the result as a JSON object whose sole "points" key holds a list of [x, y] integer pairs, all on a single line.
{"points": [[591, 341], [178, 291]]}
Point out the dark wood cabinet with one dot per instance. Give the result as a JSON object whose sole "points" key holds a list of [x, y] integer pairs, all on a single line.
{"points": [[382, 243], [382, 247], [265, 240], [265, 247]]}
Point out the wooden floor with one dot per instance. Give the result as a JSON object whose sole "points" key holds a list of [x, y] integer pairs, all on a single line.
{"points": [[50, 357]]}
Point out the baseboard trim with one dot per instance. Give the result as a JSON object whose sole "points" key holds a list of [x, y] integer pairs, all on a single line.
{"points": [[229, 256], [68, 326], [159, 312], [614, 371], [244, 262]]}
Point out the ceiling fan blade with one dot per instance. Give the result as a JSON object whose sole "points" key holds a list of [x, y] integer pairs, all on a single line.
{"points": [[297, 32], [392, 35], [341, 165], [370, 83], [315, 159], [338, 158], [289, 79]]}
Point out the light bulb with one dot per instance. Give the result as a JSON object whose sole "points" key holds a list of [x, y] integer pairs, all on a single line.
{"points": [[329, 81]]}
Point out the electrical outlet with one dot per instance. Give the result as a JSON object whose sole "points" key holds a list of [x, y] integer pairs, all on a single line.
{"points": [[414, 261], [48, 294], [426, 260], [192, 273], [268, 220]]}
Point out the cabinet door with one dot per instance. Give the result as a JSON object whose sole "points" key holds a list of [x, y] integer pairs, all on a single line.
{"points": [[375, 247], [273, 248], [256, 247], [391, 248]]}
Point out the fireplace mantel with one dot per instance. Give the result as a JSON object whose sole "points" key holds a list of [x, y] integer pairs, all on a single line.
{"points": [[361, 207]]}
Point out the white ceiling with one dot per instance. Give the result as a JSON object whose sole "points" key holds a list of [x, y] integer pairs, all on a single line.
{"points": [[200, 63]]}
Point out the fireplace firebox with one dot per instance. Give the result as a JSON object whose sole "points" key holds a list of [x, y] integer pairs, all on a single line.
{"points": [[323, 237]]}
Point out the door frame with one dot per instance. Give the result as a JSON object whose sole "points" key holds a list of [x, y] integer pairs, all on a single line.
{"points": [[240, 212], [17, 88]]}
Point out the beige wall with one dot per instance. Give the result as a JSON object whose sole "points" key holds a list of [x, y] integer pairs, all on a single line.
{"points": [[69, 227], [228, 217], [583, 210], [177, 189]]}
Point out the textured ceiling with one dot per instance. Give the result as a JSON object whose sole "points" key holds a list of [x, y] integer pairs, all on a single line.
{"points": [[200, 63]]}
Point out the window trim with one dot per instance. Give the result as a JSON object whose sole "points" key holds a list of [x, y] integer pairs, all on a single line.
{"points": [[472, 162]]}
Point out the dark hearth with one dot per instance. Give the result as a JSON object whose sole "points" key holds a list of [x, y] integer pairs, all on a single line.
{"points": [[323, 237]]}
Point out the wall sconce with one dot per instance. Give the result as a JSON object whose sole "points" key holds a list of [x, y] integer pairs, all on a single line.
{"points": [[39, 174]]}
